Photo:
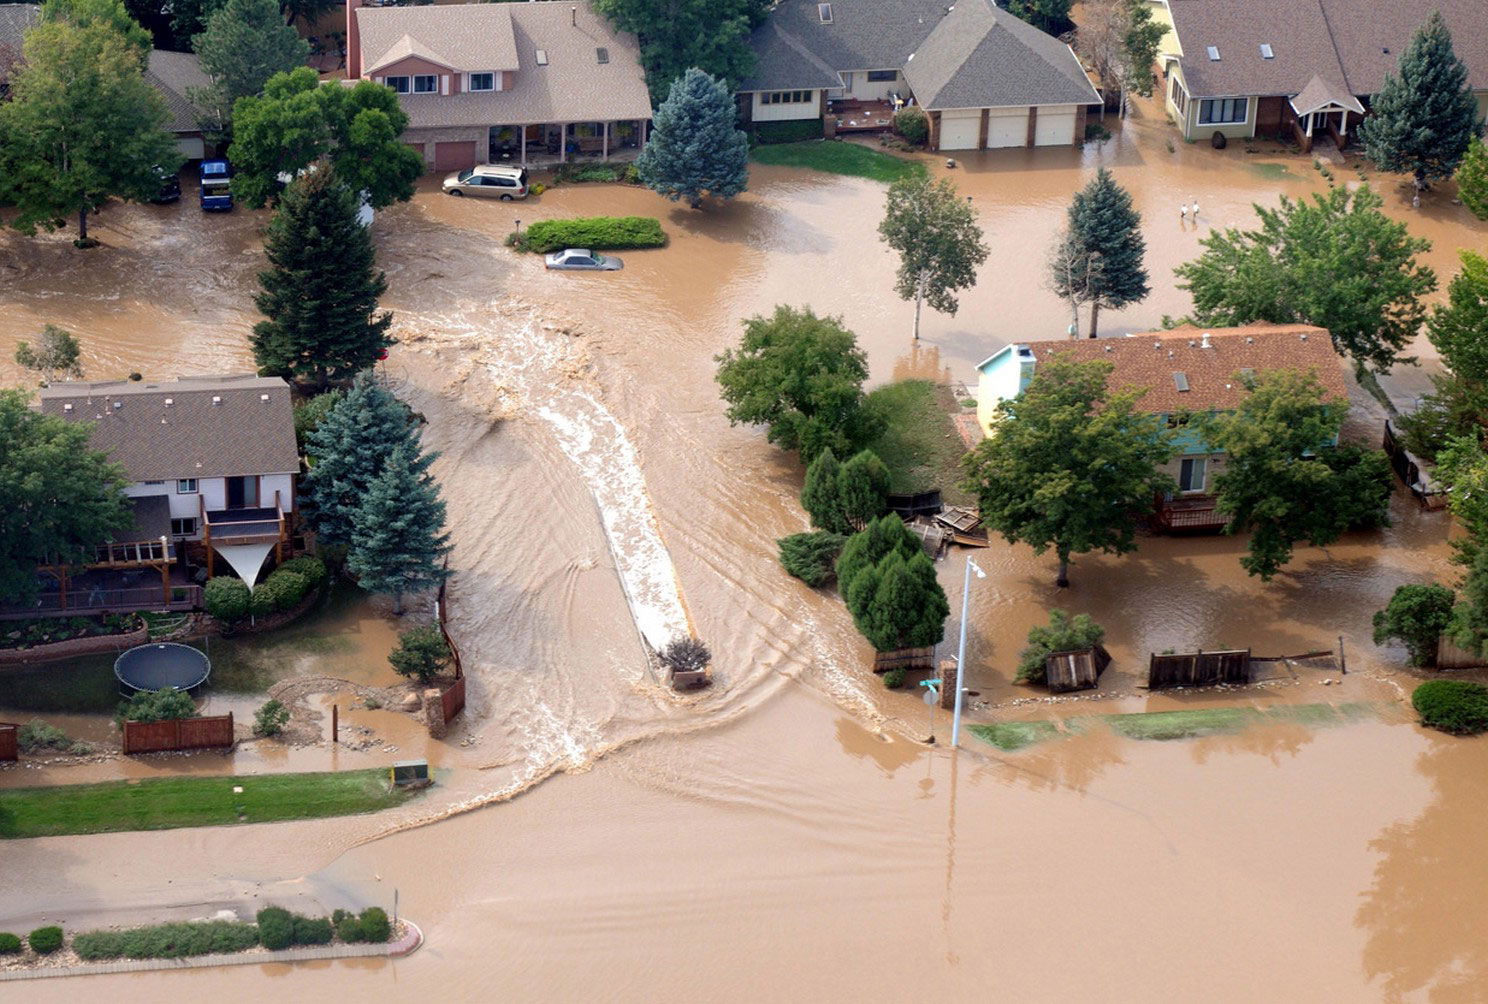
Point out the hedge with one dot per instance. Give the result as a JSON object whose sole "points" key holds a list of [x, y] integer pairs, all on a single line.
{"points": [[598, 233], [275, 928], [307, 565], [45, 940], [372, 925], [1456, 706], [788, 132], [167, 941], [9, 943]]}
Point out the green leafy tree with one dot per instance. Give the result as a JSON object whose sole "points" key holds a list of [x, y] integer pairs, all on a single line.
{"points": [[1103, 241], [296, 123], [82, 126], [1271, 489], [862, 489], [1336, 261], [1063, 633], [309, 415], [1424, 117], [812, 557], [1416, 615], [43, 461], [1070, 465], [226, 599], [422, 652], [307, 11], [694, 148], [110, 13], [802, 376], [321, 289], [821, 495], [161, 705], [1458, 405], [1462, 466], [1119, 40], [1141, 42], [270, 718], [1472, 179], [56, 351], [398, 543], [1049, 16], [676, 35], [1456, 706], [939, 243], [898, 603], [347, 451], [245, 43]]}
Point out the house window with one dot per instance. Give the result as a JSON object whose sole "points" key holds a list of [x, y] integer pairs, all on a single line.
{"points": [[425, 83], [882, 75], [1223, 111], [186, 486], [1179, 97], [483, 81], [183, 527], [1191, 475], [398, 84]]}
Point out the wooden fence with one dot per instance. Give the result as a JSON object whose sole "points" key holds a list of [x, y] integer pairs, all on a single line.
{"points": [[904, 658], [9, 746], [1075, 670], [1408, 468], [1449, 656], [1198, 669], [454, 697], [178, 734]]}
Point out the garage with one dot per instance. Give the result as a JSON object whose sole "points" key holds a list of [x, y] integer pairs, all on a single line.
{"points": [[454, 156], [1007, 127], [960, 128], [1055, 126], [191, 147]]}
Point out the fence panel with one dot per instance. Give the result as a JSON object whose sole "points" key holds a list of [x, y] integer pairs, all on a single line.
{"points": [[178, 734], [1450, 656], [9, 741], [454, 699], [1198, 669]]}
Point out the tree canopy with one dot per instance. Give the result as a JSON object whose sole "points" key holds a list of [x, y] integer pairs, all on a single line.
{"points": [[1335, 260], [939, 243], [1424, 117], [712, 35], [56, 351], [59, 498], [112, 13], [1069, 464], [1101, 252], [1119, 40], [1049, 16], [398, 540], [846, 497], [244, 44], [297, 122], [1416, 615], [1472, 179], [1063, 633], [694, 148], [802, 376], [890, 587]]}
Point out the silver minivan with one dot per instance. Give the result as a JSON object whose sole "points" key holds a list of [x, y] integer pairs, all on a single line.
{"points": [[494, 181]]}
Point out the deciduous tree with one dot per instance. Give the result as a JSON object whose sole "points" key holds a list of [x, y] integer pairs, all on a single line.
{"points": [[1070, 465], [1049, 16], [56, 352], [1119, 40], [1416, 615], [1104, 234], [1336, 261], [694, 148], [398, 541], [112, 13], [939, 243], [1472, 179], [1063, 633], [675, 35], [245, 43]]}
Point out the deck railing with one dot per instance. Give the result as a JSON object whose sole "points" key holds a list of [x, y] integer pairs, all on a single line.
{"points": [[84, 600]]}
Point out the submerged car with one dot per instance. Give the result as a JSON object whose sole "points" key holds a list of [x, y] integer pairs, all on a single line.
{"points": [[494, 181], [170, 186], [575, 259]]}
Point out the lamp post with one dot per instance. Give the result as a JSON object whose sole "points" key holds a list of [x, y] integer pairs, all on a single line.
{"points": [[971, 566]]}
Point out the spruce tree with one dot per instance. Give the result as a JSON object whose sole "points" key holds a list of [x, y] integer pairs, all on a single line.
{"points": [[320, 294], [1423, 119], [695, 148], [398, 543], [348, 450], [1103, 223]]}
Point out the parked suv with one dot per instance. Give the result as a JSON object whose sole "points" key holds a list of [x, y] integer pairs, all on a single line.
{"points": [[494, 181]]}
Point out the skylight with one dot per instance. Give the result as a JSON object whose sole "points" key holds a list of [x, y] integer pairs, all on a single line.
{"points": [[824, 11], [603, 54], [1266, 52], [542, 57], [1180, 380], [1213, 51]]}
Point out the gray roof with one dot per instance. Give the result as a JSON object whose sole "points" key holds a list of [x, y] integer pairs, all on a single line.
{"points": [[573, 87], [982, 57], [212, 427], [793, 48], [152, 520], [1319, 94], [173, 74], [15, 20], [1363, 30], [464, 37]]}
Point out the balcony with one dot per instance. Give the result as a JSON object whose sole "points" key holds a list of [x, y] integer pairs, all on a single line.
{"points": [[1188, 514]]}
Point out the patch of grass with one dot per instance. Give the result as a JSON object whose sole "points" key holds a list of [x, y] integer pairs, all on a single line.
{"points": [[85, 685], [921, 446], [169, 802], [834, 157], [1183, 724], [1012, 736], [1270, 170]]}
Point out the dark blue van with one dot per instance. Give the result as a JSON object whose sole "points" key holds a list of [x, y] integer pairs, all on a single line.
{"points": [[216, 176]]}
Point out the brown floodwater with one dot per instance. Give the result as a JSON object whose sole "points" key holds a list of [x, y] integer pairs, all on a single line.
{"points": [[780, 835]]}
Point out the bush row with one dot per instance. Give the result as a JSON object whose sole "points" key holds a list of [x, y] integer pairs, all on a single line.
{"points": [[1456, 706], [167, 941], [788, 132], [229, 599], [596, 172], [46, 630], [598, 233]]}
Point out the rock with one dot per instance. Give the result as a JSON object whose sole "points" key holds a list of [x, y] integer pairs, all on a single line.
{"points": [[410, 702]]}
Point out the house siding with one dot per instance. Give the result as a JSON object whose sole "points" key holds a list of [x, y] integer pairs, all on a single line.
{"points": [[860, 87], [785, 111], [408, 67], [1000, 378]]}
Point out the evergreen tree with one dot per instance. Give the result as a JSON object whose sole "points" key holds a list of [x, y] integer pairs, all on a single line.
{"points": [[862, 490], [1472, 179], [398, 543], [863, 551], [245, 43], [898, 603], [812, 557], [694, 148], [1423, 119], [1104, 226], [320, 294], [939, 243], [347, 451], [820, 494]]}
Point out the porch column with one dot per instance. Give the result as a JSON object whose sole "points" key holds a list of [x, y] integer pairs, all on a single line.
{"points": [[641, 144], [1309, 124], [605, 148], [165, 578], [1343, 128], [524, 146], [563, 143]]}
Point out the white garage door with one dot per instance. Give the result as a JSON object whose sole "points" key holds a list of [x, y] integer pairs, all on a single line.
{"points": [[960, 129], [191, 147], [1007, 127], [1055, 126]]}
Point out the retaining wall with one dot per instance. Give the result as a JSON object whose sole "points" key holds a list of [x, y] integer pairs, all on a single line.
{"points": [[73, 647]]}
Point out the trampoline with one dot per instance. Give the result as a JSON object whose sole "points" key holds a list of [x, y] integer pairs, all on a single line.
{"points": [[162, 664]]}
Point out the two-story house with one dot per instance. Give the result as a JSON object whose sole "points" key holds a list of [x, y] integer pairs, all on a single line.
{"points": [[494, 82], [1185, 371], [211, 462]]}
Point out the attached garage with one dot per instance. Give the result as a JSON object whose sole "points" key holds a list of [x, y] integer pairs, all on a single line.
{"points": [[960, 128], [191, 147], [1007, 127], [454, 156], [1055, 126]]}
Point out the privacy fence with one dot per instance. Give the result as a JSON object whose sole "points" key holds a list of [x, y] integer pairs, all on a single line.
{"points": [[9, 746], [178, 734], [1198, 669]]}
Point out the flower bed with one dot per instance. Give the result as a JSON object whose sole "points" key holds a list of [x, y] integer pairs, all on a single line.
{"points": [[68, 648], [28, 634]]}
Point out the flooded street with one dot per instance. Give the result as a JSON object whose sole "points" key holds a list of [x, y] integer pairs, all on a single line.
{"points": [[782, 835]]}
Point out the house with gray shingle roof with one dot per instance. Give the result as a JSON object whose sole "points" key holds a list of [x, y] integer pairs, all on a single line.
{"points": [[518, 82], [1298, 68], [986, 78], [15, 20]]}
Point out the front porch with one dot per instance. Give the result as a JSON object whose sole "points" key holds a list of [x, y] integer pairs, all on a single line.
{"points": [[544, 143]]}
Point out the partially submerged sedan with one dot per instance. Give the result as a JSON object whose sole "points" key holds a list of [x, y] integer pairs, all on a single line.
{"points": [[582, 259]]}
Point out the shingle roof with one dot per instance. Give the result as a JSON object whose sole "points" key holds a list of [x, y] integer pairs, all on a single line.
{"points": [[152, 520], [573, 87], [1364, 29], [15, 20], [173, 74], [1319, 93], [982, 57], [250, 430], [1152, 358], [464, 37], [793, 48]]}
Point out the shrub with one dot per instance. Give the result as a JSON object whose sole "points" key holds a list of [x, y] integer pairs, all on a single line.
{"points": [[38, 735], [1063, 633], [588, 172], [275, 928], [270, 719], [308, 566], [1417, 615], [894, 678], [9, 943], [374, 922], [308, 416], [913, 124], [812, 557], [157, 706], [167, 941], [685, 655], [45, 940], [226, 599], [348, 928], [788, 132], [1456, 706], [599, 233], [421, 652], [312, 930], [288, 587]]}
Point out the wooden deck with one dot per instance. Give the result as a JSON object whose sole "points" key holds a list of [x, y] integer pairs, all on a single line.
{"points": [[1191, 513], [861, 116]]}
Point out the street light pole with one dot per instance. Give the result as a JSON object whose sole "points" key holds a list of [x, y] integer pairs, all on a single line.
{"points": [[961, 653]]}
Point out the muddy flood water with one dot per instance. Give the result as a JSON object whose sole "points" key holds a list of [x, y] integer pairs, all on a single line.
{"points": [[785, 835]]}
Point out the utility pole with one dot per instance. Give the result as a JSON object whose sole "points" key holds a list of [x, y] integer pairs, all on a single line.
{"points": [[971, 566]]}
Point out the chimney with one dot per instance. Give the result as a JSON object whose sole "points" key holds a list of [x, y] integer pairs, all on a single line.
{"points": [[353, 41], [1206, 344]]}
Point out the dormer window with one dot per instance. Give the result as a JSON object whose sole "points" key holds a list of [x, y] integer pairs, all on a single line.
{"points": [[483, 81], [398, 84], [426, 83]]}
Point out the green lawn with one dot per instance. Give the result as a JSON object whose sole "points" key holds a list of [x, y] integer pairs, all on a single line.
{"points": [[169, 802], [1163, 725], [836, 157], [1011, 736], [921, 446]]}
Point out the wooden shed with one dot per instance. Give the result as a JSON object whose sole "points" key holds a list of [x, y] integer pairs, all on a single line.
{"points": [[1198, 669], [1078, 669]]}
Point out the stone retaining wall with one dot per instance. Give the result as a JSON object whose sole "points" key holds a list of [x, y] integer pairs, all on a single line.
{"points": [[74, 647]]}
